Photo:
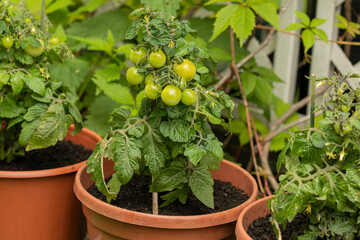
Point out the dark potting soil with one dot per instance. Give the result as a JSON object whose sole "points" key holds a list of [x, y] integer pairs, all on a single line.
{"points": [[135, 196], [63, 154], [261, 229]]}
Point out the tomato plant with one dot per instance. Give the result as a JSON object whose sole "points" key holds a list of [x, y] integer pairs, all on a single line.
{"points": [[165, 137]]}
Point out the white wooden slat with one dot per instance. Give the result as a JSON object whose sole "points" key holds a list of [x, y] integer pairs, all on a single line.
{"points": [[261, 58]]}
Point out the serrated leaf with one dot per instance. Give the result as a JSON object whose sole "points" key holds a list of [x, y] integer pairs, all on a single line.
{"points": [[169, 198], [321, 34], [210, 161], [3, 26], [223, 19], [95, 44], [4, 77], [303, 17], [51, 129], [215, 146], [24, 58], [35, 111], [137, 131], [176, 130], [110, 38], [243, 22], [36, 84], [57, 5], [308, 39], [165, 6], [90, 6], [9, 108], [200, 183], [126, 155], [169, 179], [220, 54], [155, 154], [27, 130], [195, 153], [60, 33], [294, 26], [266, 10]]}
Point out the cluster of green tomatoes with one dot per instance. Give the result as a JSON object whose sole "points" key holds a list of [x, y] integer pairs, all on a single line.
{"points": [[165, 79]]}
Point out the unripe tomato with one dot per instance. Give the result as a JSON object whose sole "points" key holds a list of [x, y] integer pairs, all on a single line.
{"points": [[149, 79], [133, 76], [27, 20], [54, 41], [345, 108], [35, 51], [171, 95], [7, 19], [7, 42], [186, 69], [188, 97], [152, 91], [137, 55], [157, 59]]}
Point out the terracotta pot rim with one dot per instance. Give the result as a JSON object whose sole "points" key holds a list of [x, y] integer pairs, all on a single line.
{"points": [[53, 171], [164, 221], [240, 230]]}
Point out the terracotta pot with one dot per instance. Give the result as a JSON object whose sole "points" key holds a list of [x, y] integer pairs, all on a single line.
{"points": [[41, 205], [107, 222], [252, 212]]}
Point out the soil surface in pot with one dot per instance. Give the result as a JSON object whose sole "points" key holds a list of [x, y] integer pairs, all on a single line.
{"points": [[135, 196], [261, 229], [64, 153]]}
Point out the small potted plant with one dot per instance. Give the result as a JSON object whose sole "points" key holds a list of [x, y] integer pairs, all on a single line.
{"points": [[36, 112], [169, 140], [321, 182]]}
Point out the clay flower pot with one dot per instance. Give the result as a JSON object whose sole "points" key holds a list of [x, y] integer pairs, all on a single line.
{"points": [[252, 212], [41, 205], [105, 221]]}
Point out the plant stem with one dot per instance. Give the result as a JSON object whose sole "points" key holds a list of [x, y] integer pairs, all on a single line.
{"points": [[42, 21], [312, 102], [155, 201]]}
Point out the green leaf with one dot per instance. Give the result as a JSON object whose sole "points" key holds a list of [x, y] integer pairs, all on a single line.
{"points": [[17, 82], [110, 39], [177, 130], [95, 44], [210, 161], [155, 154], [27, 131], [294, 26], [4, 77], [243, 22], [195, 152], [223, 19], [137, 131], [317, 22], [166, 6], [23, 57], [109, 73], [303, 17], [35, 111], [115, 91], [214, 146], [90, 6], [169, 179], [266, 10], [308, 39], [317, 140], [3, 26], [169, 198], [36, 84], [127, 153], [263, 91], [60, 33], [278, 142], [266, 73], [51, 129], [321, 34], [249, 82], [220, 54], [213, 1], [57, 5], [9, 108], [74, 111], [200, 183]]}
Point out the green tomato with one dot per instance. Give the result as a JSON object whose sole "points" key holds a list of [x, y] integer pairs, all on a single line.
{"points": [[152, 90], [35, 51], [7, 41], [27, 20], [7, 19], [345, 108], [188, 97], [54, 41], [157, 59], [137, 55], [171, 95], [133, 76], [149, 79], [186, 69]]}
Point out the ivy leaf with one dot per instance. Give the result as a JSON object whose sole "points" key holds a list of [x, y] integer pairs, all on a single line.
{"points": [[9, 108], [317, 22], [249, 82], [200, 183], [266, 10], [195, 152], [176, 130], [51, 129], [308, 39], [243, 22], [263, 91], [169, 179], [294, 26], [223, 19], [155, 154], [166, 6], [126, 155], [321, 34], [303, 17]]}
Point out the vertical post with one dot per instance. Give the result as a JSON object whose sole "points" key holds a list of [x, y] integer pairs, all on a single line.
{"points": [[312, 102]]}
